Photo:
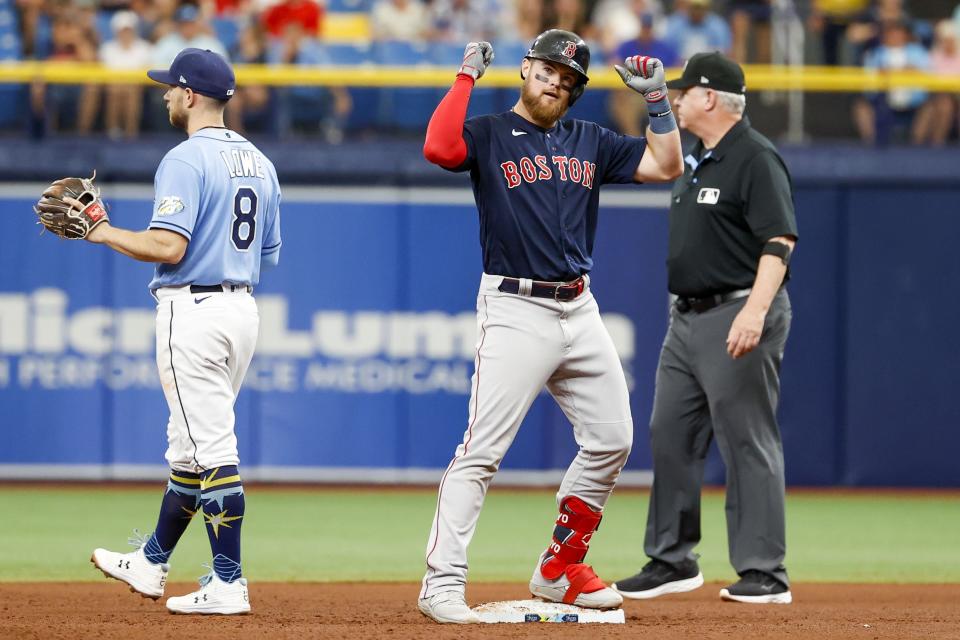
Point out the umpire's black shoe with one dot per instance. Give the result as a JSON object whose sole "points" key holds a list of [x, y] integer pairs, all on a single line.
{"points": [[659, 578], [757, 587]]}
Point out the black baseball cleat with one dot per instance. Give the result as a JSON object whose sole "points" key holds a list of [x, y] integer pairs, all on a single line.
{"points": [[658, 578], [757, 587]]}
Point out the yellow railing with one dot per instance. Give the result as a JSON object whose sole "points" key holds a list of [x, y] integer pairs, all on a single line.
{"points": [[759, 77]]}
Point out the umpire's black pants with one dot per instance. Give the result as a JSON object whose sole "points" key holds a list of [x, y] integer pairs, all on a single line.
{"points": [[702, 392]]}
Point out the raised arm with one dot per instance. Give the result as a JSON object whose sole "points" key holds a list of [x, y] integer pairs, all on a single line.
{"points": [[663, 159], [444, 144]]}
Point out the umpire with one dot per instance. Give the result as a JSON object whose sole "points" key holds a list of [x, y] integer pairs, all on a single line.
{"points": [[732, 230]]}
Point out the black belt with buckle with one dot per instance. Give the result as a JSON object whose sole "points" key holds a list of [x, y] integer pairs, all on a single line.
{"points": [[559, 291], [699, 305], [218, 288]]}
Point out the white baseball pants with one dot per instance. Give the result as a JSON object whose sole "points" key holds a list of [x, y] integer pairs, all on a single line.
{"points": [[524, 344], [204, 346]]}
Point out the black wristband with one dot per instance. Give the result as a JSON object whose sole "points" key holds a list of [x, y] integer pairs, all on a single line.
{"points": [[779, 249]]}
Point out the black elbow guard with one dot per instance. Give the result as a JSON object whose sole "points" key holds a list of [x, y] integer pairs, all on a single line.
{"points": [[779, 249]]}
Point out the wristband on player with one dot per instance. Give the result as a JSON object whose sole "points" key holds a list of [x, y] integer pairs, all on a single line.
{"points": [[779, 249], [661, 116]]}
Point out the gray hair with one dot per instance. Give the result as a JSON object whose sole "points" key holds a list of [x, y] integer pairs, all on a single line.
{"points": [[734, 103]]}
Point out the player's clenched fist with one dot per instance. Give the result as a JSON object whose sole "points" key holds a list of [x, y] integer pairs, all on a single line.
{"points": [[644, 75], [476, 58]]}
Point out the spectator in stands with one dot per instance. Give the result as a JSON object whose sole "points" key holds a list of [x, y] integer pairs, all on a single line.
{"points": [[406, 20], [114, 5], [250, 105], [694, 28], [865, 32], [127, 50], [231, 8], [880, 117], [618, 21], [54, 104], [569, 15], [750, 17], [190, 31], [944, 60], [647, 43], [465, 20], [30, 12], [526, 22], [628, 112], [309, 108], [831, 19], [157, 17], [307, 13]]}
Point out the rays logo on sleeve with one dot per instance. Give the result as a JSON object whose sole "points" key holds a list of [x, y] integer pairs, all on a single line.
{"points": [[169, 206]]}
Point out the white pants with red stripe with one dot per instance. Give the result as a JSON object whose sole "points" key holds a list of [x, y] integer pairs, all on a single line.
{"points": [[205, 343], [523, 345]]}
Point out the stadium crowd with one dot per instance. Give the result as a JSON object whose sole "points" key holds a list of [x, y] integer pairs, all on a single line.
{"points": [[130, 34]]}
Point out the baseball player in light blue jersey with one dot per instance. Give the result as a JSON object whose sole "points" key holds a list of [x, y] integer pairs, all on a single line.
{"points": [[215, 222]]}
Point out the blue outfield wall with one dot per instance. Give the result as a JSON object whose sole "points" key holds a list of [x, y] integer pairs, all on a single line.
{"points": [[368, 334]]}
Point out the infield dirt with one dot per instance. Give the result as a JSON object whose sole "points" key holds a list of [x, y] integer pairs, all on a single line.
{"points": [[375, 610]]}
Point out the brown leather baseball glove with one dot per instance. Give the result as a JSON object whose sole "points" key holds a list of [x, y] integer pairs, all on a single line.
{"points": [[71, 207]]}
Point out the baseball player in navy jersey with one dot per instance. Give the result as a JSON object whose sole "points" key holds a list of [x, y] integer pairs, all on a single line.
{"points": [[536, 181], [215, 223]]}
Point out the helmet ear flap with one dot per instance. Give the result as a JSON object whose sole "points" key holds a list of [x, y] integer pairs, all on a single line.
{"points": [[576, 92]]}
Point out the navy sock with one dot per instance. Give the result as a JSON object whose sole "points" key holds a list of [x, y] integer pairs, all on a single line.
{"points": [[221, 494], [180, 502]]}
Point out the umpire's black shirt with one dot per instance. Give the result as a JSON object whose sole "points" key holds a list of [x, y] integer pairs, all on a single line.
{"points": [[730, 201]]}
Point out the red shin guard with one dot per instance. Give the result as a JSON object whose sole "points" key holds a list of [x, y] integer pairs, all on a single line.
{"points": [[571, 538]]}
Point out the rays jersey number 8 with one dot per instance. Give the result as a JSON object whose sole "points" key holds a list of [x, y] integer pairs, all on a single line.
{"points": [[244, 227], [222, 194]]}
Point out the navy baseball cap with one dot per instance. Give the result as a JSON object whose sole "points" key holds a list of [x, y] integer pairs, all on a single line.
{"points": [[202, 70], [713, 71]]}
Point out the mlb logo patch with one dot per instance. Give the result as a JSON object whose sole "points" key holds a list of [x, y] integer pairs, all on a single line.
{"points": [[708, 196]]}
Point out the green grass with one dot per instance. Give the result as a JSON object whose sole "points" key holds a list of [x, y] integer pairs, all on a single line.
{"points": [[340, 535]]}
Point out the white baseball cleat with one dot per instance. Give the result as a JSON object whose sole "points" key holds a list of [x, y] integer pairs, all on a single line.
{"points": [[143, 576], [214, 596], [448, 607], [577, 585]]}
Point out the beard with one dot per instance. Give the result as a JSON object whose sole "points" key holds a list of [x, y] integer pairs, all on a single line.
{"points": [[547, 112], [178, 117]]}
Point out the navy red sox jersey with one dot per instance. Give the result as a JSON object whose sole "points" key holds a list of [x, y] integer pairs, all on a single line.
{"points": [[537, 191]]}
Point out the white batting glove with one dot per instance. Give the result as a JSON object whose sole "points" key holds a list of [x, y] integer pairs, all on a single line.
{"points": [[644, 75], [476, 58]]}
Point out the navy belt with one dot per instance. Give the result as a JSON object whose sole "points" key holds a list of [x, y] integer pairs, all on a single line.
{"points": [[219, 288], [699, 305], [559, 291]]}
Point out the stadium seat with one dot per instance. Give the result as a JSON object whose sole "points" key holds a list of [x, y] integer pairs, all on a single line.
{"points": [[13, 97], [13, 101], [509, 53], [344, 54], [405, 109], [102, 25], [400, 52], [346, 27], [446, 53], [350, 6], [43, 38], [227, 31], [8, 18], [365, 99]]}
